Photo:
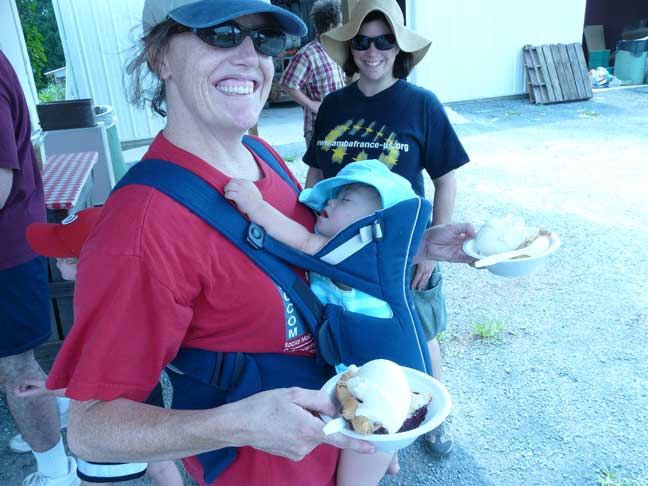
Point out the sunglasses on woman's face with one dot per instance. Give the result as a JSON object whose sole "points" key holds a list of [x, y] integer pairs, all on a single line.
{"points": [[382, 42], [269, 41]]}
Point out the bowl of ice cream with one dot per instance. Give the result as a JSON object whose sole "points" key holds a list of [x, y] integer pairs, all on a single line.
{"points": [[394, 405], [509, 248]]}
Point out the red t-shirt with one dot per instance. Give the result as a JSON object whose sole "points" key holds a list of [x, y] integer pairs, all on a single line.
{"points": [[154, 277]]}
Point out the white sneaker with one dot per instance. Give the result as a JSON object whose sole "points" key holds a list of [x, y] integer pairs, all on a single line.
{"points": [[70, 479], [19, 445]]}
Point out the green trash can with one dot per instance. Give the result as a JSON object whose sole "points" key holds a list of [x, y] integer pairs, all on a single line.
{"points": [[630, 62], [106, 116]]}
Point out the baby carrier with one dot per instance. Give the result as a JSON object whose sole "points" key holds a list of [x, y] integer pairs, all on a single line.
{"points": [[372, 255]]}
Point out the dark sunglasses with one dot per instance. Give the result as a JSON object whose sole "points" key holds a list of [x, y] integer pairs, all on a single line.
{"points": [[269, 41], [382, 42]]}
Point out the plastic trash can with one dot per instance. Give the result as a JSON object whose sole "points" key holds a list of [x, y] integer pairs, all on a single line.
{"points": [[106, 116], [630, 60]]}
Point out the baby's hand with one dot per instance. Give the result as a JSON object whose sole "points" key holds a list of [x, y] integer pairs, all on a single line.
{"points": [[244, 193]]}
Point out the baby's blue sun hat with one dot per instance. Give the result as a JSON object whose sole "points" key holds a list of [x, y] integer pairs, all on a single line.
{"points": [[391, 187]]}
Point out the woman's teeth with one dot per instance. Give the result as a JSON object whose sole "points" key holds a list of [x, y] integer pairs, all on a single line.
{"points": [[235, 90]]}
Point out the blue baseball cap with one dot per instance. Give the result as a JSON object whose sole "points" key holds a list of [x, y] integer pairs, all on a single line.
{"points": [[391, 187], [205, 13]]}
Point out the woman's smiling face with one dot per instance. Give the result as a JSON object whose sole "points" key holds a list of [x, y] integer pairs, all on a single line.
{"points": [[219, 88], [374, 65]]}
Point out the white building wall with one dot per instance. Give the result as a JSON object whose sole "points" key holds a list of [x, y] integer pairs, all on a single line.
{"points": [[12, 43], [98, 37], [477, 44], [476, 50]]}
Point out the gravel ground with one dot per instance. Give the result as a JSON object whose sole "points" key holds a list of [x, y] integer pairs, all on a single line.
{"points": [[561, 391]]}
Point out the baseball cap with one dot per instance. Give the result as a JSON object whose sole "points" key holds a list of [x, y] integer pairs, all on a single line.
{"points": [[391, 187], [64, 239], [205, 13]]}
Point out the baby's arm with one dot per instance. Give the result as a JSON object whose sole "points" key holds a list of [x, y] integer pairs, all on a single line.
{"points": [[36, 388], [249, 200]]}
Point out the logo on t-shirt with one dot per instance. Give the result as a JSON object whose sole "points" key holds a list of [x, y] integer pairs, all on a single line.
{"points": [[366, 138], [298, 335]]}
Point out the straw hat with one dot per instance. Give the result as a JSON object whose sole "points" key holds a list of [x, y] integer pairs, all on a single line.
{"points": [[336, 41]]}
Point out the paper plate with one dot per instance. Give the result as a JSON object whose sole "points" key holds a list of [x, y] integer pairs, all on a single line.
{"points": [[517, 267], [438, 410]]}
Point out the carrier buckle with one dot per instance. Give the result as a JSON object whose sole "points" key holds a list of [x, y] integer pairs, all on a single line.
{"points": [[377, 230], [255, 236]]}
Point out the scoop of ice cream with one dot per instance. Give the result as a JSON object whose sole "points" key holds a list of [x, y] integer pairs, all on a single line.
{"points": [[383, 390], [501, 234]]}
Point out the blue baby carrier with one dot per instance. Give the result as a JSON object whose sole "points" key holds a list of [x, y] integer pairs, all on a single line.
{"points": [[372, 255]]}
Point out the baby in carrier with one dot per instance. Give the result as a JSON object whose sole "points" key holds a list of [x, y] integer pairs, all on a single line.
{"points": [[360, 189]]}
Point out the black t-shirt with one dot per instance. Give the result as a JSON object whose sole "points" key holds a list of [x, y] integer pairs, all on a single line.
{"points": [[404, 126]]}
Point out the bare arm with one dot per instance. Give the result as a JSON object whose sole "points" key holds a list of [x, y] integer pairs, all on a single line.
{"points": [[249, 200], [6, 183], [313, 176], [301, 98], [278, 422], [445, 191]]}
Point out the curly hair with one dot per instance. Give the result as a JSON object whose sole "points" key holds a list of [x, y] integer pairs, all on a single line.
{"points": [[324, 14], [146, 85]]}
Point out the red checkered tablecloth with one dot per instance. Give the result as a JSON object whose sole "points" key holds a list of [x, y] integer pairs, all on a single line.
{"points": [[64, 176]]}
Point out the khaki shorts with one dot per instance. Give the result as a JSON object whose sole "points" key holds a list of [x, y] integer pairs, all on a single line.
{"points": [[430, 305]]}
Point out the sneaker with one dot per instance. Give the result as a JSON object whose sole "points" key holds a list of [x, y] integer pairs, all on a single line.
{"points": [[70, 479], [440, 439], [20, 446]]}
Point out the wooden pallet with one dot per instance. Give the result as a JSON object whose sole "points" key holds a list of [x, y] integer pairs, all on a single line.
{"points": [[556, 73]]}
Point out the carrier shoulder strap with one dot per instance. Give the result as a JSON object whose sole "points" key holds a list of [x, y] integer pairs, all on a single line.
{"points": [[270, 157], [202, 199]]}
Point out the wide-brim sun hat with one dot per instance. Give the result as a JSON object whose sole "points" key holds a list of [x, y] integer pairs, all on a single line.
{"points": [[392, 187], [206, 13], [336, 41]]}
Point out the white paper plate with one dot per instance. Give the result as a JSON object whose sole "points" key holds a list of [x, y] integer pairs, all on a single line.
{"points": [[517, 267], [438, 410]]}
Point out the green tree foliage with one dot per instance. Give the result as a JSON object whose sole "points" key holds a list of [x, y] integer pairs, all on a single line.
{"points": [[42, 37]]}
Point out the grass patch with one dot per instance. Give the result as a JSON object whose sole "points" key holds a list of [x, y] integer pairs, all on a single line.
{"points": [[608, 476], [588, 113], [489, 329], [290, 157]]}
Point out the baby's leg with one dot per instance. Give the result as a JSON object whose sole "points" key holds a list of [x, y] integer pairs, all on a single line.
{"points": [[164, 473], [355, 469], [394, 465]]}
